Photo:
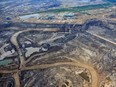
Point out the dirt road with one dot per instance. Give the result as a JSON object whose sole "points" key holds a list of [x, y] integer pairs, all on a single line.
{"points": [[94, 75], [14, 41], [114, 43], [17, 79]]}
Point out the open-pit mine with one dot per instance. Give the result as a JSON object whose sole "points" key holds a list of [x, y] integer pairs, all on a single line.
{"points": [[59, 47]]}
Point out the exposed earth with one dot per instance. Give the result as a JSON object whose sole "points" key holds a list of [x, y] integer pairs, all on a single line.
{"points": [[59, 49]]}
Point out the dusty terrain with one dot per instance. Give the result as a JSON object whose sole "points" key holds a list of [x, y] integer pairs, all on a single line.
{"points": [[64, 51], [78, 48]]}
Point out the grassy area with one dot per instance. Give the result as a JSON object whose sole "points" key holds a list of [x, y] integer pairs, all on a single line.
{"points": [[80, 9]]}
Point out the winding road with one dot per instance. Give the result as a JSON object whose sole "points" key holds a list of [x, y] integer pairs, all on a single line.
{"points": [[14, 40], [94, 75]]}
